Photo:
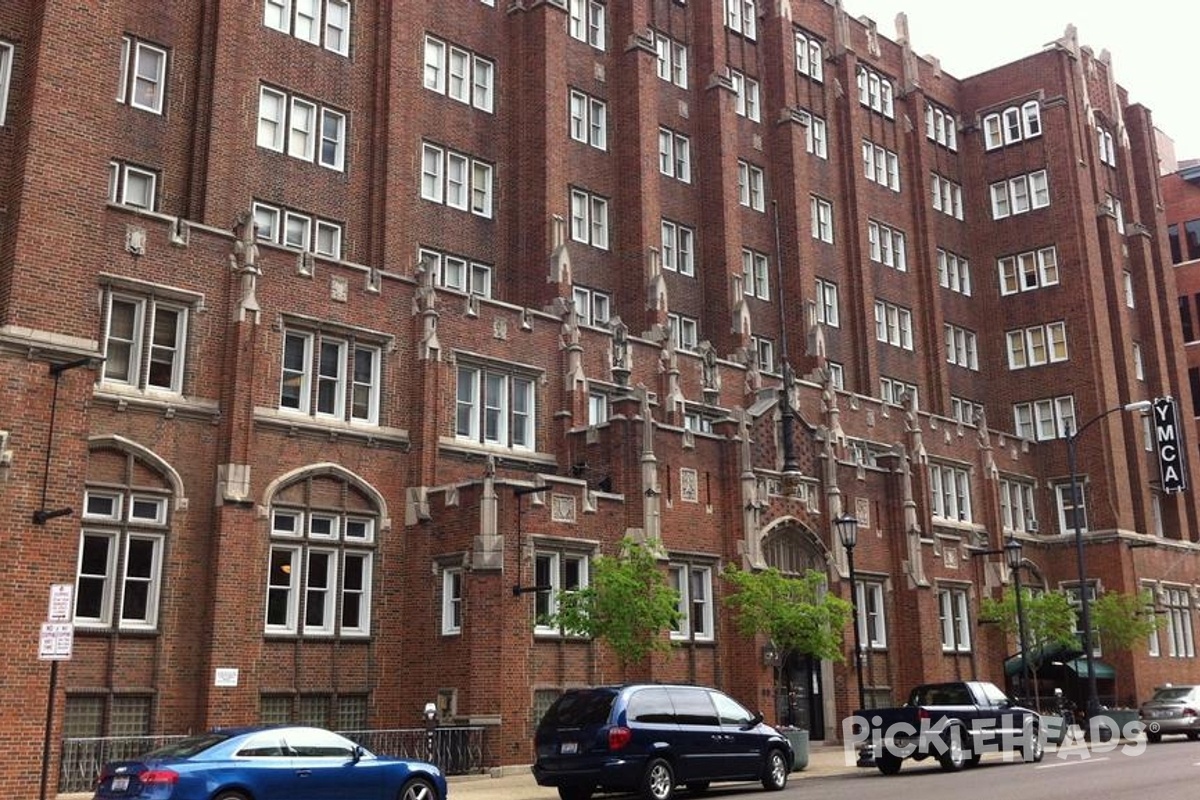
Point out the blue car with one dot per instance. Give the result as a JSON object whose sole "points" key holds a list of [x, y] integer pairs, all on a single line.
{"points": [[268, 763], [652, 738]]}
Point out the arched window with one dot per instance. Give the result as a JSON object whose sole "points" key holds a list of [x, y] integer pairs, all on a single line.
{"points": [[790, 551], [323, 539]]}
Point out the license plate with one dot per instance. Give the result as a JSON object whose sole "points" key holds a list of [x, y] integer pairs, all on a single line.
{"points": [[569, 748], [120, 783]]}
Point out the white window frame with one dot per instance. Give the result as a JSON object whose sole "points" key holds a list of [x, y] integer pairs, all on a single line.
{"points": [[459, 74], [684, 331], [816, 135], [950, 493], [746, 93], [954, 619], [452, 601], [123, 182], [954, 272], [142, 89], [588, 119], [144, 352], [872, 613], [962, 347], [892, 390], [741, 17], [1066, 509], [293, 125], [827, 303], [875, 92], [941, 127], [592, 306], [1018, 509], [881, 165], [116, 580], [1177, 604], [821, 213], [1020, 194], [550, 570], [456, 180], [589, 218], [810, 58], [1032, 269], [1037, 345], [751, 186], [458, 273], [674, 155], [893, 325], [7, 56], [672, 63], [696, 614], [886, 246], [586, 22], [496, 407], [678, 248], [314, 374], [764, 351], [756, 274]]}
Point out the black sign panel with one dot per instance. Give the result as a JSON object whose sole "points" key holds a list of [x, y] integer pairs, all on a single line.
{"points": [[1172, 465]]}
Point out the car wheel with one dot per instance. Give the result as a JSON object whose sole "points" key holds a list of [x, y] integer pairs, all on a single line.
{"points": [[975, 759], [697, 787], [1193, 735], [230, 796], [419, 789], [775, 771], [888, 763], [957, 752], [658, 782], [575, 792], [1036, 750], [1153, 737]]}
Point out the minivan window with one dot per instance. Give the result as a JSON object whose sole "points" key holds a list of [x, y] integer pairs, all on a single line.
{"points": [[730, 711], [575, 709], [650, 705], [693, 707]]}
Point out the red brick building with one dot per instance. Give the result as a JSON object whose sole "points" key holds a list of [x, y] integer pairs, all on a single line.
{"points": [[297, 300]]}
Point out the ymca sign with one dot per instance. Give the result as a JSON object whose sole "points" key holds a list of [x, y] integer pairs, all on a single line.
{"points": [[1172, 465]]}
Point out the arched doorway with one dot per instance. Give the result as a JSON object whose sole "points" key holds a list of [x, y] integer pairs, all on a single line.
{"points": [[799, 695]]}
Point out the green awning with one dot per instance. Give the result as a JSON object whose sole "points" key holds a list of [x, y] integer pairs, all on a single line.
{"points": [[1102, 670]]}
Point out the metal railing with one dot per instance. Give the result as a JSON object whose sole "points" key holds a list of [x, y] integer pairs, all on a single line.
{"points": [[456, 750]]}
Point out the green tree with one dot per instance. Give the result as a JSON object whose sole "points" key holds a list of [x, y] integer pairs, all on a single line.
{"points": [[1123, 620], [798, 614], [628, 604], [1049, 622]]}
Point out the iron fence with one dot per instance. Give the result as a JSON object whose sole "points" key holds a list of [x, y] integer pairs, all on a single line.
{"points": [[456, 750]]}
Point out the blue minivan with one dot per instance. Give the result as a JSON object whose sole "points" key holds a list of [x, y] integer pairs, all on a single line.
{"points": [[651, 738]]}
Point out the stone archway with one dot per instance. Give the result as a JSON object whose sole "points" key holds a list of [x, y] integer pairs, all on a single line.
{"points": [[794, 549]]}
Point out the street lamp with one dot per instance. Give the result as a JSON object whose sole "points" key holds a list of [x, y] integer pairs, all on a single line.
{"points": [[847, 528], [1013, 555], [1093, 700]]}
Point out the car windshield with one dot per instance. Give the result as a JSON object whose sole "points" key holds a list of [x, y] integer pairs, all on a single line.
{"points": [[579, 708], [186, 748], [1173, 693]]}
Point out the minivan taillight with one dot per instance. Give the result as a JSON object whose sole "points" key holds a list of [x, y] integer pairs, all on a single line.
{"points": [[618, 737]]}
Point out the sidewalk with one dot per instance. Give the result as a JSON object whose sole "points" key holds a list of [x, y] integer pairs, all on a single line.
{"points": [[516, 783]]}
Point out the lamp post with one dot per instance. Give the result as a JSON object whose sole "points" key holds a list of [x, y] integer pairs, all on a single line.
{"points": [[1013, 555], [1093, 699], [847, 528]]}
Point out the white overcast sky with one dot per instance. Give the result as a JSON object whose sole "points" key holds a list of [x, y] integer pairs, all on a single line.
{"points": [[1155, 53]]}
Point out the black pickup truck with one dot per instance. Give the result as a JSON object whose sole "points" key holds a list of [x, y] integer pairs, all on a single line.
{"points": [[956, 723]]}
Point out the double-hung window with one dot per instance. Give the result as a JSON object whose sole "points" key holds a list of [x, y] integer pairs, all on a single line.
{"points": [[693, 584], [946, 196], [827, 303], [554, 572], [810, 60], [954, 272], [893, 325], [962, 347], [330, 377], [133, 186], [872, 622], [118, 582], [751, 186], [456, 180], [303, 20], [588, 119], [589, 218], [1018, 511], [746, 95], [950, 492], [1012, 125], [678, 248], [301, 128], [592, 306], [586, 22], [452, 601], [458, 273], [756, 269], [886, 246], [674, 155], [672, 64], [821, 213], [740, 17], [297, 230], [1045, 419], [495, 406], [816, 135], [1033, 269], [1177, 604], [875, 92], [1037, 345], [143, 75], [954, 619], [1106, 146], [764, 351], [1020, 195], [881, 165], [684, 331], [6, 65], [319, 572], [940, 127], [459, 74], [145, 342]]}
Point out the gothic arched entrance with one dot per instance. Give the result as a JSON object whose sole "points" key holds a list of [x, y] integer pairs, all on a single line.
{"points": [[799, 694]]}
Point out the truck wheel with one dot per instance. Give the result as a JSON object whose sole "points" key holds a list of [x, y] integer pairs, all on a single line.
{"points": [[888, 763], [957, 752]]}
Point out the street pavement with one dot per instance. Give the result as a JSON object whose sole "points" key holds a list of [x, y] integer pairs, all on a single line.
{"points": [[517, 783]]}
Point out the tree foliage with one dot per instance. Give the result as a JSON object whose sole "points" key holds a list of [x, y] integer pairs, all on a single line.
{"points": [[1049, 617], [799, 615], [628, 603], [1122, 619]]}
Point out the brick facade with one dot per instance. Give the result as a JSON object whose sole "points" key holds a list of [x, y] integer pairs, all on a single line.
{"points": [[288, 463]]}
